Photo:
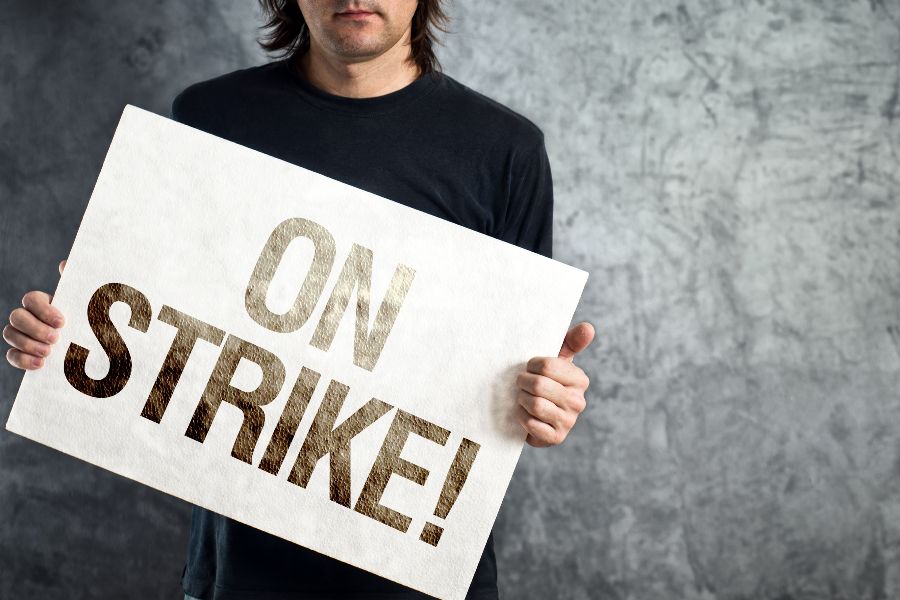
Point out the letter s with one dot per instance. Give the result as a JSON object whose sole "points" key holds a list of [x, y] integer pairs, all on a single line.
{"points": [[110, 340]]}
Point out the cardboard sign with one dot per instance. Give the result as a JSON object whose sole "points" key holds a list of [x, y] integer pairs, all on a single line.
{"points": [[295, 353]]}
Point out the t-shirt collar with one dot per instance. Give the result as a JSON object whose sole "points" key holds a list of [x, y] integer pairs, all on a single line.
{"points": [[376, 104]]}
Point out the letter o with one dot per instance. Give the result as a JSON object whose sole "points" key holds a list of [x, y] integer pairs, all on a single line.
{"points": [[313, 285]]}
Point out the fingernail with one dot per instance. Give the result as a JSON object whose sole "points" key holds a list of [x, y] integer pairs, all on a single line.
{"points": [[37, 361], [52, 337], [57, 322], [43, 350]]}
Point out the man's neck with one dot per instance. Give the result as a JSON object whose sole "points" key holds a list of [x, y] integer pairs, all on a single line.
{"points": [[377, 76]]}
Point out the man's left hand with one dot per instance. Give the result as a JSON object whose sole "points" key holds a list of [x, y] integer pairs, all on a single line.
{"points": [[551, 391]]}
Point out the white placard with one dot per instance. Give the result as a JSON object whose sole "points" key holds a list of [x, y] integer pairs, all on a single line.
{"points": [[213, 350]]}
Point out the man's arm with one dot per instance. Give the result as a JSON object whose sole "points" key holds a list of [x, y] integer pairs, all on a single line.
{"points": [[551, 389]]}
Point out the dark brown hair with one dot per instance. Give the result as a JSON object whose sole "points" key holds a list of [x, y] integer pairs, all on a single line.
{"points": [[288, 35]]}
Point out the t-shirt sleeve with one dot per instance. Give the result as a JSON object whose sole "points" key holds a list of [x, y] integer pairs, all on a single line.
{"points": [[194, 106], [528, 221], [176, 111]]}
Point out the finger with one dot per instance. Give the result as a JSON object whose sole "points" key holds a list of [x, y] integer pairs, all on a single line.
{"points": [[544, 410], [540, 434], [560, 370], [20, 360], [28, 324], [23, 343], [62, 266], [538, 385], [537, 443], [577, 339], [38, 304]]}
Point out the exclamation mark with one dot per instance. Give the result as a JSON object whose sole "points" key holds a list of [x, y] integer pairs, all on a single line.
{"points": [[456, 478]]}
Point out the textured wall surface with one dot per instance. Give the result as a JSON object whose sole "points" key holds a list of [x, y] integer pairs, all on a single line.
{"points": [[725, 169]]}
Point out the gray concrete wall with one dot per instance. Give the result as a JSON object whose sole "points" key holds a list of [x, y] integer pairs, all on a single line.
{"points": [[725, 169]]}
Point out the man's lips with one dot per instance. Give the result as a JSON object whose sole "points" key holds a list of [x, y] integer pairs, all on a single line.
{"points": [[355, 14]]}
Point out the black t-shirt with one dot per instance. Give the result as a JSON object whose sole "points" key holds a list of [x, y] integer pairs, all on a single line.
{"points": [[434, 145]]}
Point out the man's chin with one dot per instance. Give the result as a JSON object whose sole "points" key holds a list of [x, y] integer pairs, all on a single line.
{"points": [[359, 51]]}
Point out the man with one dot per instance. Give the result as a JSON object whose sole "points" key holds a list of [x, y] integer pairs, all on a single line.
{"points": [[359, 98]]}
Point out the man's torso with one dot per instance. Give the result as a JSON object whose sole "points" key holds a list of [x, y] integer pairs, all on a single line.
{"points": [[435, 146]]}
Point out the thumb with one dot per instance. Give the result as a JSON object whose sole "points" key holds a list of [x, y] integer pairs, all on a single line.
{"points": [[577, 339], [62, 266]]}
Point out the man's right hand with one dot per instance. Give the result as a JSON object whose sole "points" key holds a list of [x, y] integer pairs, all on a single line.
{"points": [[32, 329]]}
